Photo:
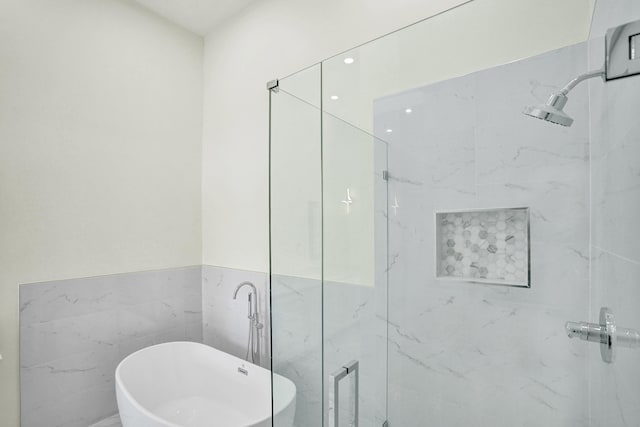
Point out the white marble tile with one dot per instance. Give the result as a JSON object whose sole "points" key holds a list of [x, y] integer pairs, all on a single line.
{"points": [[78, 409], [499, 363], [297, 342], [67, 376], [615, 169], [431, 147], [42, 302], [512, 148], [615, 203], [354, 331], [616, 387], [73, 333], [55, 339], [470, 354]]}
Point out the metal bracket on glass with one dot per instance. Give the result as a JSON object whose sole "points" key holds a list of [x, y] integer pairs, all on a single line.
{"points": [[273, 85], [334, 393], [607, 334]]}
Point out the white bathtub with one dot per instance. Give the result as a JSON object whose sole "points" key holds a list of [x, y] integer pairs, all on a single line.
{"points": [[194, 385]]}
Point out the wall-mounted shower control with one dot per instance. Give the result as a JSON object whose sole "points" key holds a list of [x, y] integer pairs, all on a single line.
{"points": [[622, 59], [634, 47], [606, 333], [623, 51]]}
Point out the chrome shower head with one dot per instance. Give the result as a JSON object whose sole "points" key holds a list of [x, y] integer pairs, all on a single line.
{"points": [[551, 111]]}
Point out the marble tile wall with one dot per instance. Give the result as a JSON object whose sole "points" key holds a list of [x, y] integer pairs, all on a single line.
{"points": [[475, 354], [615, 204], [297, 342], [73, 333]]}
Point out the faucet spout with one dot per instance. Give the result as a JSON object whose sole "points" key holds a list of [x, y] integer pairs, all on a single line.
{"points": [[243, 284]]}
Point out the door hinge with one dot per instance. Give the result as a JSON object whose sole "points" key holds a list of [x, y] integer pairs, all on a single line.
{"points": [[273, 85]]}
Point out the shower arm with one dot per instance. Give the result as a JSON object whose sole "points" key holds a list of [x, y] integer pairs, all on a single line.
{"points": [[586, 76]]}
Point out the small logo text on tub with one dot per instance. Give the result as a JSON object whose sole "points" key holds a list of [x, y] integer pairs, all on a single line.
{"points": [[243, 371]]}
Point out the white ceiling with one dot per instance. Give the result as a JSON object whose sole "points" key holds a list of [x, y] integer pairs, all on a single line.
{"points": [[198, 16]]}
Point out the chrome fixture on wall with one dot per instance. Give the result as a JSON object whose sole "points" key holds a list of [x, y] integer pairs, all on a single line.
{"points": [[253, 342], [622, 60], [607, 334], [553, 111]]}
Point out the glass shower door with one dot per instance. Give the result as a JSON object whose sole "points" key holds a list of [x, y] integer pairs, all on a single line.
{"points": [[354, 275], [296, 246], [328, 197]]}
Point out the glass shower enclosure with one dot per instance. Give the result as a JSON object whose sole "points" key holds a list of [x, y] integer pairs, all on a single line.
{"points": [[440, 258]]}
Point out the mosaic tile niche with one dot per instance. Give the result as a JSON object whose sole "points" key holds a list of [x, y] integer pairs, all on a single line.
{"points": [[484, 245]]}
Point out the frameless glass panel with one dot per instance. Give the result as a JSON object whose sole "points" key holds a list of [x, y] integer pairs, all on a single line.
{"points": [[296, 250], [355, 275], [463, 352]]}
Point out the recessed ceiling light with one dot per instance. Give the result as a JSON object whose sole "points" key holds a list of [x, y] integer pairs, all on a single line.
{"points": [[389, 130], [408, 111], [334, 97], [349, 60]]}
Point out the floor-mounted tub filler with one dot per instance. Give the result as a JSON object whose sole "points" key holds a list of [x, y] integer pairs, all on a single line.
{"points": [[185, 384]]}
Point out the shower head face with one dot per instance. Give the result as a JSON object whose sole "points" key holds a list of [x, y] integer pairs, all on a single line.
{"points": [[551, 111], [549, 114]]}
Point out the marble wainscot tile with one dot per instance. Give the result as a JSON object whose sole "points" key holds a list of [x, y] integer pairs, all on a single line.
{"points": [[353, 330], [297, 342], [225, 322], [73, 333]]}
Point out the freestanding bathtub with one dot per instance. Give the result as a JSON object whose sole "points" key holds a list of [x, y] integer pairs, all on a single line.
{"points": [[194, 385]]}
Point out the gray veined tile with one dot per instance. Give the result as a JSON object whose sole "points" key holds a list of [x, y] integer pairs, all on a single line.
{"points": [[73, 333]]}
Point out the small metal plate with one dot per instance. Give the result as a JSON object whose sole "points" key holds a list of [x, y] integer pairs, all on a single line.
{"points": [[273, 85], [623, 51], [634, 47], [608, 338]]}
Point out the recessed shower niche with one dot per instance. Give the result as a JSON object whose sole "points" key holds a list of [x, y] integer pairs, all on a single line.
{"points": [[483, 245]]}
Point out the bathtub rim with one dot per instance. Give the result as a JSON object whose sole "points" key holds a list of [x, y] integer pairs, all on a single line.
{"points": [[120, 387]]}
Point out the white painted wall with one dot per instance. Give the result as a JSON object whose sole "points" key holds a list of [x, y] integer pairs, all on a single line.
{"points": [[100, 142], [275, 38]]}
